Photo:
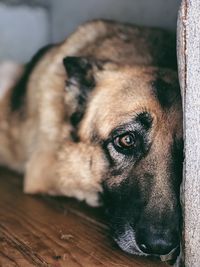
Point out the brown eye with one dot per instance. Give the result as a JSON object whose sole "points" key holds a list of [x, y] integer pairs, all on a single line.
{"points": [[126, 141]]}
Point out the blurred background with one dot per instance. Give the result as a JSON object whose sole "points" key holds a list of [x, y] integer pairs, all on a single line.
{"points": [[26, 25]]}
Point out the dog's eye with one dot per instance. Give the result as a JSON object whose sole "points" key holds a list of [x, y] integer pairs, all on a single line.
{"points": [[126, 141]]}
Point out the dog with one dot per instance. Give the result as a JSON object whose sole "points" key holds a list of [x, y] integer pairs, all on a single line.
{"points": [[98, 117]]}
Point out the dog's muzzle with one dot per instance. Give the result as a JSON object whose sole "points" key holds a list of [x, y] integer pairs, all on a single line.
{"points": [[163, 246]]}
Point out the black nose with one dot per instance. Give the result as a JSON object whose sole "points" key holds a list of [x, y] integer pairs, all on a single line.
{"points": [[157, 242]]}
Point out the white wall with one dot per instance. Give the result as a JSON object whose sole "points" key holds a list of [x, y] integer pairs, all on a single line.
{"points": [[26, 27], [22, 31], [66, 14]]}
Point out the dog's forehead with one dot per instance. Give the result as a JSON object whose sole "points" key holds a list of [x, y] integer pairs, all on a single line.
{"points": [[119, 97]]}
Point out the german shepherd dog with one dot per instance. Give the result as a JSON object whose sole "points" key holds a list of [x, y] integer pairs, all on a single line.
{"points": [[99, 118]]}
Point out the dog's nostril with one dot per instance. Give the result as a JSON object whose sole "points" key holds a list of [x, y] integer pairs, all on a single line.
{"points": [[143, 247]]}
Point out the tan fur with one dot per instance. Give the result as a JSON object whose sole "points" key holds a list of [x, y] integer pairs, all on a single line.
{"points": [[37, 140]]}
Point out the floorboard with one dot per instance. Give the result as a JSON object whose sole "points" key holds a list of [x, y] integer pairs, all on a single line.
{"points": [[57, 232]]}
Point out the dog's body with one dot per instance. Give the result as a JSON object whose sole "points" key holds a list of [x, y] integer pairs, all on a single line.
{"points": [[104, 120]]}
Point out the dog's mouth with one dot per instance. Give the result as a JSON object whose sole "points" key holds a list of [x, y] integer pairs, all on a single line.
{"points": [[171, 257]]}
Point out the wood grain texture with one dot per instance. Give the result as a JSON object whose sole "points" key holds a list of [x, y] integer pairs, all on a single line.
{"points": [[57, 232], [189, 68]]}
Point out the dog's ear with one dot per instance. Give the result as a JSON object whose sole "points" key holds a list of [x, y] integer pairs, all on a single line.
{"points": [[166, 87], [81, 72]]}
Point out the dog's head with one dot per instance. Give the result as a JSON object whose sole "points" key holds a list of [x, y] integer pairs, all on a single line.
{"points": [[134, 115]]}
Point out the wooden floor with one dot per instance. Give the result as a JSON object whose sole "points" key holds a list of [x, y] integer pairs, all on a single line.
{"points": [[58, 232]]}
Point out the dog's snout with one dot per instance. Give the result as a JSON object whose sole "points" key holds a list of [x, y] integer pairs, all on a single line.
{"points": [[152, 241]]}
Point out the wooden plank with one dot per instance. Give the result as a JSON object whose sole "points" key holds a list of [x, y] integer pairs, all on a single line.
{"points": [[58, 232], [189, 68]]}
